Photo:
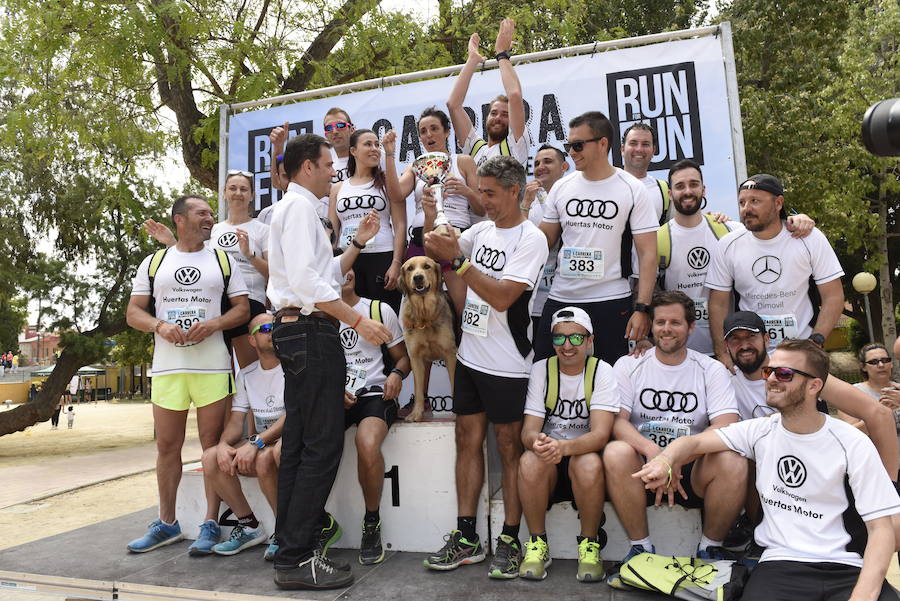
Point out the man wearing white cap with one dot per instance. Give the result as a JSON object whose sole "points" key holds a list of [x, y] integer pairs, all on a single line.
{"points": [[569, 413]]}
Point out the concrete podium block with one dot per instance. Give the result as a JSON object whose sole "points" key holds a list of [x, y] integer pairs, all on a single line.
{"points": [[418, 505], [675, 530]]}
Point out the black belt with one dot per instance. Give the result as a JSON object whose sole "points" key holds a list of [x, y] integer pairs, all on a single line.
{"points": [[296, 312]]}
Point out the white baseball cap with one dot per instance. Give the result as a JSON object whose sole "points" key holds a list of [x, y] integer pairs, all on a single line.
{"points": [[573, 315]]}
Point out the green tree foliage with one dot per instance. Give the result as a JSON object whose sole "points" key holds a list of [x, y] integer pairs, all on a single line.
{"points": [[13, 316]]}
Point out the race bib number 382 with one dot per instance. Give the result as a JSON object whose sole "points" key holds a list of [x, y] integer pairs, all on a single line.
{"points": [[582, 263], [475, 317]]}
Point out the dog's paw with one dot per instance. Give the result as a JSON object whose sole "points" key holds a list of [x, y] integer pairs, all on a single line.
{"points": [[415, 415]]}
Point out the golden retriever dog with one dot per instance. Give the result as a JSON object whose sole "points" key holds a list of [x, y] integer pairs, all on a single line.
{"points": [[427, 322]]}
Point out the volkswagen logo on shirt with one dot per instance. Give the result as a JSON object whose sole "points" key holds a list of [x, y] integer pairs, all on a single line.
{"points": [[571, 410], [663, 400], [698, 258], [187, 275], [791, 471], [490, 258], [604, 209], [366, 202], [349, 338], [767, 269], [228, 239]]}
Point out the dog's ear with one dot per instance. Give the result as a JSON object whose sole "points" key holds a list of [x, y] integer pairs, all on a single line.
{"points": [[401, 281]]}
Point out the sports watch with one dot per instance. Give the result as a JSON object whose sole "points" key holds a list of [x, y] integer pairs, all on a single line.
{"points": [[642, 307], [457, 262], [256, 441], [502, 55], [817, 338]]}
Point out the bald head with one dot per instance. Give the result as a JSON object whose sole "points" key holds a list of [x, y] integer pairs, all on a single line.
{"points": [[261, 319]]}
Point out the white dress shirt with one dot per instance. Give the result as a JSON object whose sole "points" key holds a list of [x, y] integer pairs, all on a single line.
{"points": [[299, 254]]}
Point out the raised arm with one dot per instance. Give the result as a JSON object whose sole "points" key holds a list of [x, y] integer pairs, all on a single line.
{"points": [[510, 80], [462, 125]]}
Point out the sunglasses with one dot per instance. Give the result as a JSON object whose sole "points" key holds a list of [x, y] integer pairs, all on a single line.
{"points": [[578, 145], [784, 374], [339, 125], [575, 339], [881, 360], [265, 328], [239, 172]]}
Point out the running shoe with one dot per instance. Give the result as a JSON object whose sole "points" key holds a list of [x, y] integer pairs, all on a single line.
{"points": [[158, 535], [315, 573], [590, 564], [614, 580], [456, 551], [537, 559], [370, 550], [740, 535], [715, 554], [329, 535], [271, 550], [752, 555], [241, 538], [209, 536], [507, 558]]}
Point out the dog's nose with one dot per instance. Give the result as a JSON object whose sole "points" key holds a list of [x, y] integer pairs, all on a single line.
{"points": [[418, 278]]}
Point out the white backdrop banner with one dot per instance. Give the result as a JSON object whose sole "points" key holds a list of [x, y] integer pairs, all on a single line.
{"points": [[677, 86]]}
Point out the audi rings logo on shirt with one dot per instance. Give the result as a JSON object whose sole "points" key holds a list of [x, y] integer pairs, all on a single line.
{"points": [[228, 239], [571, 410], [270, 401], [441, 403], [604, 209], [187, 275], [490, 258], [698, 258], [767, 269], [791, 471], [349, 338], [366, 201], [340, 175], [663, 400]]}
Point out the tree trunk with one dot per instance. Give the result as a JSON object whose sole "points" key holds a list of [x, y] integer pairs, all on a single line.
{"points": [[41, 409], [886, 294]]}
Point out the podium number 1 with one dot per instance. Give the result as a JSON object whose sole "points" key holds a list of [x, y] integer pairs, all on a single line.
{"points": [[394, 476]]}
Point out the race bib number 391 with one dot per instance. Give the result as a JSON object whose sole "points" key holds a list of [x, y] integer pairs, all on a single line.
{"points": [[356, 379], [582, 263]]}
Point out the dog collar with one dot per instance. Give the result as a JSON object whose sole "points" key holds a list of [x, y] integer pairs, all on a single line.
{"points": [[415, 327]]}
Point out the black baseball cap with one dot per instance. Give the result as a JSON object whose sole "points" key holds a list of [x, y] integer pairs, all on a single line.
{"points": [[744, 320], [763, 181]]}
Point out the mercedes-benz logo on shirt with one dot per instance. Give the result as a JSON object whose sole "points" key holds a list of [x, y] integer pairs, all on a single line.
{"points": [[791, 471], [187, 275], [698, 257], [767, 269], [228, 239], [490, 258], [605, 209], [349, 338], [663, 400], [270, 401]]}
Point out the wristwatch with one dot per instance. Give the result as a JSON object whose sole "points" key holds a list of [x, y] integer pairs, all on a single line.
{"points": [[256, 441], [817, 338], [502, 55], [457, 262], [642, 307]]}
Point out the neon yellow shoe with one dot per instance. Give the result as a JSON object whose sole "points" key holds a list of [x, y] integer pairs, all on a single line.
{"points": [[537, 559], [590, 564]]}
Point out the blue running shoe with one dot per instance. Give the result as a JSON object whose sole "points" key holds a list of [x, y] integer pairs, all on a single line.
{"points": [[240, 539], [210, 533], [271, 550], [158, 535], [715, 554], [614, 580]]}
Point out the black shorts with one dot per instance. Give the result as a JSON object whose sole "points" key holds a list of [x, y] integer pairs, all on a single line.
{"points": [[369, 269], [503, 399], [371, 406], [256, 308], [792, 580], [609, 319], [694, 501]]}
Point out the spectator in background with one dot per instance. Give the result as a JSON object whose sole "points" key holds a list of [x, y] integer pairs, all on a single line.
{"points": [[876, 364], [70, 416]]}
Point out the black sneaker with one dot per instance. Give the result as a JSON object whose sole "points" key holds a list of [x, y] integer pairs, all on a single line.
{"points": [[329, 535], [315, 573], [455, 552], [716, 553], [370, 549], [740, 535], [507, 557]]}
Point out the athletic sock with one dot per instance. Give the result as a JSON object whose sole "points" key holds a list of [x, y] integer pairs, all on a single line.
{"points": [[511, 531], [250, 521], [593, 539], [372, 517], [644, 542], [542, 536], [705, 543], [466, 525], [172, 525]]}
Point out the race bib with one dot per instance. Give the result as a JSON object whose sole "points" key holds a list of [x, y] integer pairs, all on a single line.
{"points": [[701, 313], [185, 318], [348, 233], [547, 278], [475, 317], [582, 263], [663, 433], [779, 327], [356, 379]]}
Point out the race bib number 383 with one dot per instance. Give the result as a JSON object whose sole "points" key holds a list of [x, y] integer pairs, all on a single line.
{"points": [[582, 263]]}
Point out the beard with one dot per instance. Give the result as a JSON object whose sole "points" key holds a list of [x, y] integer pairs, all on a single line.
{"points": [[749, 367], [689, 211], [497, 135]]}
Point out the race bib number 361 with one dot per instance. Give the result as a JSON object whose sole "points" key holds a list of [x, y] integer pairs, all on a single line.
{"points": [[582, 263], [779, 327]]}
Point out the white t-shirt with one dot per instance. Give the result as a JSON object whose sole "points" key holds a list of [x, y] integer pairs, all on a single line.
{"points": [[535, 216], [571, 416], [352, 204], [691, 250], [751, 396], [594, 217], [340, 167], [456, 206], [499, 342], [518, 149], [771, 277], [189, 289], [224, 238], [801, 480], [685, 398], [260, 391], [362, 354], [654, 195]]}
